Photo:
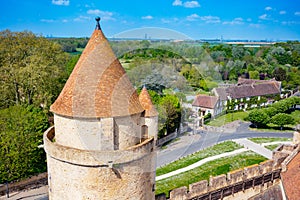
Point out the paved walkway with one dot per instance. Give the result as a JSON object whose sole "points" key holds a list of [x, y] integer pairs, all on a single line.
{"points": [[248, 144]]}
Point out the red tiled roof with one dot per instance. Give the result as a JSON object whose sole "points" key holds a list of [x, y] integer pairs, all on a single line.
{"points": [[147, 104], [98, 85], [205, 101], [291, 179]]}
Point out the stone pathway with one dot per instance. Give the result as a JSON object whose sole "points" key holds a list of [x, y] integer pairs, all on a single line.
{"points": [[259, 149]]}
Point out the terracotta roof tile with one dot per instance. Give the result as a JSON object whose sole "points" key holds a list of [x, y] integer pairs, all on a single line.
{"points": [[147, 104], [98, 85], [291, 179], [205, 101]]}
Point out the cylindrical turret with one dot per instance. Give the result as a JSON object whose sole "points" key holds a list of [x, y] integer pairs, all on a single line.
{"points": [[96, 150]]}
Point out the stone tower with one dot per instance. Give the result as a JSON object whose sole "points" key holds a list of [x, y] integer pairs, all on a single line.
{"points": [[103, 140]]}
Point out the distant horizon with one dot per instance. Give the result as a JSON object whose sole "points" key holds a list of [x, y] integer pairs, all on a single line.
{"points": [[198, 19]]}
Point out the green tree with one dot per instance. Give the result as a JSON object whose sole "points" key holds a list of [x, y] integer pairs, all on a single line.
{"points": [[254, 74], [31, 69], [259, 118], [169, 114], [282, 119], [279, 74], [21, 131]]}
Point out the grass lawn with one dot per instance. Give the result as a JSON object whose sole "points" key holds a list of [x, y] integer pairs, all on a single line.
{"points": [[268, 139], [213, 168], [272, 147], [227, 118], [210, 151]]}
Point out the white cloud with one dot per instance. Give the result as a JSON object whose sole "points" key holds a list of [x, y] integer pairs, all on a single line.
{"points": [[105, 15], [82, 18], [211, 19], [255, 25], [297, 13], [65, 20], [290, 23], [177, 3], [191, 4], [263, 17], [47, 20], [147, 17], [249, 20], [235, 21], [61, 2], [170, 20], [187, 4], [282, 12], [193, 17], [268, 8]]}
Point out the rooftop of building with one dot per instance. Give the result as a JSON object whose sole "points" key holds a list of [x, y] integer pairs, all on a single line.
{"points": [[98, 86], [145, 100], [205, 101], [249, 88]]}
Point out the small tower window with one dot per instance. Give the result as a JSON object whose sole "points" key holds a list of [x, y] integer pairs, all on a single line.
{"points": [[144, 132]]}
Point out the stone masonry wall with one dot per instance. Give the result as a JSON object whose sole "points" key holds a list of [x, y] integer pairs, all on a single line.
{"points": [[252, 179]]}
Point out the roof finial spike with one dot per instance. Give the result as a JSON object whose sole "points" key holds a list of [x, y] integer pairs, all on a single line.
{"points": [[98, 24]]}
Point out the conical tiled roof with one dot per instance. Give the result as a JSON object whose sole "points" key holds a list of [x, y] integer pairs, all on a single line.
{"points": [[98, 86], [147, 104]]}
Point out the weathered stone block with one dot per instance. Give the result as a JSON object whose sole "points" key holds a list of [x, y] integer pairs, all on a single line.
{"points": [[266, 166], [217, 182], [235, 176], [251, 171], [198, 188], [179, 193]]}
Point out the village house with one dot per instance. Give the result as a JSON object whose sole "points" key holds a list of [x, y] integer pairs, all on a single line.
{"points": [[248, 93]]}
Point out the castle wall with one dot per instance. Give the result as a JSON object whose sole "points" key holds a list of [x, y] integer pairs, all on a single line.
{"points": [[84, 174], [129, 130], [236, 185], [90, 134]]}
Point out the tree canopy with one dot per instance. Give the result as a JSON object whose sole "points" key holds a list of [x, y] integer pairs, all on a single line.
{"points": [[21, 131], [31, 69]]}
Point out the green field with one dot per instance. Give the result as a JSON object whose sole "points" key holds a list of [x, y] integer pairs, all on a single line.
{"points": [[208, 152], [213, 168], [227, 118]]}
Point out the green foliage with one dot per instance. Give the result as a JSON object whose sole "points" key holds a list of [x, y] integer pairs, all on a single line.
{"points": [[254, 74], [31, 69], [169, 114], [282, 119], [259, 118], [71, 64], [21, 131]]}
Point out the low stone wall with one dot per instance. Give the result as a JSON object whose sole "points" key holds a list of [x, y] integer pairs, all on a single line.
{"points": [[219, 187], [29, 183], [169, 137]]}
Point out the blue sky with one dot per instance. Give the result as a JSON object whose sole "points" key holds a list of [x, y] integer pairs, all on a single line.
{"points": [[202, 19]]}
